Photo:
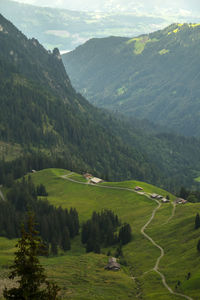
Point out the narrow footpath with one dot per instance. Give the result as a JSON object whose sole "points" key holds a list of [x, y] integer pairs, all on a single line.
{"points": [[156, 267]]}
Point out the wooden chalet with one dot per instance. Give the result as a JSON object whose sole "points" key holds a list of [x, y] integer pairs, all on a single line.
{"points": [[112, 265]]}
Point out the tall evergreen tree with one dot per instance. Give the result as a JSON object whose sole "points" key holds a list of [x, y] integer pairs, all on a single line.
{"points": [[125, 234], [54, 247], [65, 240], [27, 269], [198, 246], [197, 221]]}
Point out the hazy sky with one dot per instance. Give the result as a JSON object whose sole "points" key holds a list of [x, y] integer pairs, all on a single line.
{"points": [[169, 6]]}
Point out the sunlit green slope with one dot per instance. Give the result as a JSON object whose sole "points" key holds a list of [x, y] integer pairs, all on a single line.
{"points": [[82, 276]]}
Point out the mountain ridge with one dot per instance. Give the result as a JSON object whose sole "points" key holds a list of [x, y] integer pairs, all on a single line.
{"points": [[152, 76], [45, 113]]}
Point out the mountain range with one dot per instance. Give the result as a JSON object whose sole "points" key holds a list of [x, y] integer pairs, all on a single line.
{"points": [[153, 76], [179, 8], [40, 110], [66, 29]]}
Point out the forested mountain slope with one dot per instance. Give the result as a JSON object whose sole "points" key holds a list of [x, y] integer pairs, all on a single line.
{"points": [[154, 76], [40, 110]]}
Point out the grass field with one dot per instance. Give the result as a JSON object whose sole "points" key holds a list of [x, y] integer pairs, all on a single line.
{"points": [[82, 276]]}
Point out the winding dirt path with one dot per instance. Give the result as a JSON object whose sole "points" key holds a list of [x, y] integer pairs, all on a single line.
{"points": [[156, 267], [173, 213]]}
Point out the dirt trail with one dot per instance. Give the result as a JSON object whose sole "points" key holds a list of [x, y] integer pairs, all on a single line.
{"points": [[156, 267], [173, 213]]}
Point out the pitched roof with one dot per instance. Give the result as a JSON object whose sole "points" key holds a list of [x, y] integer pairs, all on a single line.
{"points": [[96, 180]]}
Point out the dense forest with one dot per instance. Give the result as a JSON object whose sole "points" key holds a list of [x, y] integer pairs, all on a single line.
{"points": [[56, 225], [190, 195], [101, 231], [57, 127]]}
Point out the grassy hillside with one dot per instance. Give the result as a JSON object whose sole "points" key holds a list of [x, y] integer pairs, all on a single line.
{"points": [[82, 276], [153, 76]]}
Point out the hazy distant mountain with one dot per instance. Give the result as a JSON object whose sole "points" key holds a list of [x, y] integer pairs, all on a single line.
{"points": [[67, 29], [169, 7], [154, 76]]}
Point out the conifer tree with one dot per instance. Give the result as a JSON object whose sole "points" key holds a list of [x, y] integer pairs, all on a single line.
{"points": [[198, 246], [65, 242], [125, 234], [54, 247], [197, 221], [27, 270]]}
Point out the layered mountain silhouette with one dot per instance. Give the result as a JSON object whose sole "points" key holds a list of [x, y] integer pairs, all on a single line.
{"points": [[154, 76], [40, 110]]}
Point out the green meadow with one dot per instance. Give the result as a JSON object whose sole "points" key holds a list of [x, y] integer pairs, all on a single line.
{"points": [[82, 276]]}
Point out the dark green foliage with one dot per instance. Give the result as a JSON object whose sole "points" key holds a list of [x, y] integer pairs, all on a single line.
{"points": [[100, 231], [198, 246], [197, 221], [54, 248], [184, 193], [65, 242], [109, 253], [125, 234], [27, 269], [191, 196], [56, 225], [188, 276], [119, 251], [163, 78], [123, 261], [41, 191]]}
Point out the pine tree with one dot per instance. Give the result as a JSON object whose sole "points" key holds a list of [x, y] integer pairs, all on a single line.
{"points": [[198, 246], [125, 234], [197, 221], [54, 247], [27, 269], [65, 241]]}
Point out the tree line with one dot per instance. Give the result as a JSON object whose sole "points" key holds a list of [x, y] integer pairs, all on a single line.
{"points": [[56, 225], [191, 196], [101, 231], [197, 226]]}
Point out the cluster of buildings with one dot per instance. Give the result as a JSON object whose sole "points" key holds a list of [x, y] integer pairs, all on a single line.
{"points": [[159, 197], [180, 201], [138, 189], [92, 179]]}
